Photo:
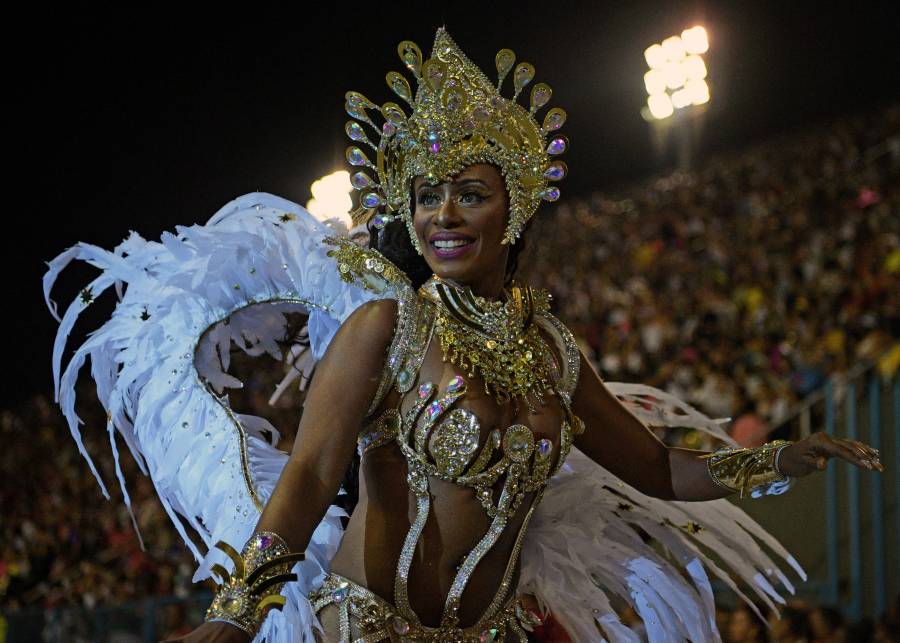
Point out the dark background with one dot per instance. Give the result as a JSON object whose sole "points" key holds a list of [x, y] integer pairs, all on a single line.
{"points": [[142, 120]]}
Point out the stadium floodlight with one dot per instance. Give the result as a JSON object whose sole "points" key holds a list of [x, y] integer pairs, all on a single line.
{"points": [[660, 106], [331, 197], [676, 78], [695, 40], [655, 56], [655, 82]]}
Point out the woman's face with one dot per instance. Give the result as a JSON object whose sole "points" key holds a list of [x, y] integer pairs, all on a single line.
{"points": [[460, 225]]}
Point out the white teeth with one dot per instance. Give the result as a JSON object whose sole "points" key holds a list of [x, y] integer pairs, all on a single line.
{"points": [[450, 243]]}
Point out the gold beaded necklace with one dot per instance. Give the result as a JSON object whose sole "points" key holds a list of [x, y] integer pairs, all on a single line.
{"points": [[498, 340]]}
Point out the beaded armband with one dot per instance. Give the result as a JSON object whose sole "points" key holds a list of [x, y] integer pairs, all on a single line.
{"points": [[254, 587], [754, 471]]}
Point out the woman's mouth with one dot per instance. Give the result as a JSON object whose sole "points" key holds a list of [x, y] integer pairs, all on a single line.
{"points": [[450, 245]]}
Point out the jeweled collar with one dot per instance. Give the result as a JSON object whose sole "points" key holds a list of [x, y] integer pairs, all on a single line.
{"points": [[496, 339]]}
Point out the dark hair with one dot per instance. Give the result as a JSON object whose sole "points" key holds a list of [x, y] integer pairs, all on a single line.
{"points": [[394, 243]]}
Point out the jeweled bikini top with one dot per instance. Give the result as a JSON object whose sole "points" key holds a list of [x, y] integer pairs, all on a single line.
{"points": [[440, 440]]}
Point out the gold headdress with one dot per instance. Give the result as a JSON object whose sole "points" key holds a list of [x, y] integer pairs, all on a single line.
{"points": [[458, 118]]}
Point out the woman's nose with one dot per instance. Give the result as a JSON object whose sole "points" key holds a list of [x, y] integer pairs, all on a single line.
{"points": [[447, 216]]}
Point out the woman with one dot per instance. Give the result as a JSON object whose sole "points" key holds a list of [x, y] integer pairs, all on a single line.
{"points": [[463, 395]]}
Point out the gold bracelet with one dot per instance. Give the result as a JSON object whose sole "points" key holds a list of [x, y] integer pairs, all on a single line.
{"points": [[752, 471], [245, 596]]}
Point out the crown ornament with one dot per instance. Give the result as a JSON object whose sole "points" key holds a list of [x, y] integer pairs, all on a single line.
{"points": [[457, 118]]}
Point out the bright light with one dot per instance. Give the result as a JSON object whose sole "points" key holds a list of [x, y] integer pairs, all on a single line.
{"points": [[655, 56], [674, 75], [694, 67], [660, 106], [681, 98], [695, 40], [698, 91], [673, 47], [655, 81], [677, 72], [331, 197]]}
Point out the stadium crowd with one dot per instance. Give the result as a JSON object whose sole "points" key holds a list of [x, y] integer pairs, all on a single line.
{"points": [[739, 287]]}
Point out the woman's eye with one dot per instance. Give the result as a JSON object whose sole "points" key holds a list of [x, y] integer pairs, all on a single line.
{"points": [[470, 197], [428, 198]]}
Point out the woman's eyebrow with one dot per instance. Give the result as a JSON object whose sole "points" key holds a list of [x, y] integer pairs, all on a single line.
{"points": [[465, 182]]}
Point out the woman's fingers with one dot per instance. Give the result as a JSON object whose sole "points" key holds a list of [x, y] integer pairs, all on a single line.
{"points": [[846, 450]]}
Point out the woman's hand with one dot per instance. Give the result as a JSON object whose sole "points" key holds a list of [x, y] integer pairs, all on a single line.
{"points": [[214, 632], [812, 454]]}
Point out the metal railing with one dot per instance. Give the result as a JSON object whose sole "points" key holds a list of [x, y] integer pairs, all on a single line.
{"points": [[862, 526]]}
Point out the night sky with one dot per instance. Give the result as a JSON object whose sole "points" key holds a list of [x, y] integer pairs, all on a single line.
{"points": [[126, 121]]}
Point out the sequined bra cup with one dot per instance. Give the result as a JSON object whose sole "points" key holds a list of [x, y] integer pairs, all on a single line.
{"points": [[438, 440]]}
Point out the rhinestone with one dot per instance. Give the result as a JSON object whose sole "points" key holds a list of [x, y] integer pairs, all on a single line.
{"points": [[554, 119], [400, 86], [550, 194], [456, 384], [265, 541], [557, 146], [388, 130], [504, 61], [372, 200], [360, 180], [411, 56], [425, 390], [433, 410], [556, 172], [488, 636], [523, 75], [403, 377], [355, 131], [540, 95], [356, 156], [381, 220], [340, 593], [544, 448], [400, 626]]}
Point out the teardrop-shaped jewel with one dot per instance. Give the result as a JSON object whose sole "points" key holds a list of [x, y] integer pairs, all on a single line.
{"points": [[356, 156], [361, 181], [400, 85], [355, 132], [358, 112], [388, 130], [358, 100], [504, 60], [522, 76], [558, 145], [556, 171], [411, 56], [549, 194], [456, 384], [393, 114], [554, 119], [425, 390], [372, 200], [544, 448], [434, 71], [540, 96], [379, 221], [433, 410], [496, 438]]}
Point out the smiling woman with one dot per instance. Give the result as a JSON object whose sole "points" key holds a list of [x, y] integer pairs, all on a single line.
{"points": [[496, 467]]}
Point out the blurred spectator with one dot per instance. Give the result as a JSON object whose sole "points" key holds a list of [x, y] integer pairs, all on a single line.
{"points": [[791, 627], [745, 626]]}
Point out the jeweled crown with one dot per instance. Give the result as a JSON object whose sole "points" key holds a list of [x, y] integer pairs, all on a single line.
{"points": [[458, 118]]}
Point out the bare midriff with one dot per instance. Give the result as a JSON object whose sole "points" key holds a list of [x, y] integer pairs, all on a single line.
{"points": [[457, 521]]}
